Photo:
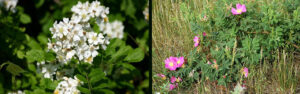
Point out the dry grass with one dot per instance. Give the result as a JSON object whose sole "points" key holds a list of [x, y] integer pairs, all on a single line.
{"points": [[171, 35]]}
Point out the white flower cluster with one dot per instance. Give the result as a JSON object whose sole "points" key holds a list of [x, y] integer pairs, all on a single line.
{"points": [[10, 4], [112, 30], [18, 92], [75, 37], [84, 11], [68, 86]]}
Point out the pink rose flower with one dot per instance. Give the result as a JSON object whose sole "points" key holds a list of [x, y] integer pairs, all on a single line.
{"points": [[239, 9], [170, 63], [245, 72], [172, 87], [180, 61], [173, 79], [196, 40]]}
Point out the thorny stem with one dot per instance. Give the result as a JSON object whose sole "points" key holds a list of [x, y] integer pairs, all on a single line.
{"points": [[89, 84]]}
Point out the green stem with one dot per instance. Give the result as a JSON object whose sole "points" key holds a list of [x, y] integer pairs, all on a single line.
{"points": [[89, 84]]}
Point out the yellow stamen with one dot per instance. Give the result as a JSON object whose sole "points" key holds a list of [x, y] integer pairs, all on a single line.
{"points": [[56, 92], [178, 61], [238, 10], [105, 19], [171, 64]]}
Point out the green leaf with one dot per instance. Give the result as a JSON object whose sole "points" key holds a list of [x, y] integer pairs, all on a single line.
{"points": [[128, 7], [135, 55], [96, 75], [49, 56], [35, 55], [39, 3], [124, 50], [25, 19], [14, 69], [106, 91], [103, 85], [128, 66], [81, 78], [20, 54], [39, 91], [31, 67], [83, 90]]}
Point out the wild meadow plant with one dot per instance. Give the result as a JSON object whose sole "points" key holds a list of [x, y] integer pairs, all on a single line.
{"points": [[231, 42]]}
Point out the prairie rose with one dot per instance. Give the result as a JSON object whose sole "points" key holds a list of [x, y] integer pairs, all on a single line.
{"points": [[239, 9], [180, 61], [196, 40], [170, 63], [173, 79]]}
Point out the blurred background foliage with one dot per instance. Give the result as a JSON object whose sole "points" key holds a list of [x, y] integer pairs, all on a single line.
{"points": [[24, 36]]}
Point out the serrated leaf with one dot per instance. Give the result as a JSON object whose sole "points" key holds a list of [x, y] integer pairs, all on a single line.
{"points": [[135, 55], [83, 90], [81, 78], [49, 56], [14, 69], [128, 66], [25, 19], [128, 7], [106, 91], [97, 78], [96, 75], [103, 85], [120, 53], [35, 55]]}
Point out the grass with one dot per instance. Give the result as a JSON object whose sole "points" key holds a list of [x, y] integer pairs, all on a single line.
{"points": [[171, 35]]}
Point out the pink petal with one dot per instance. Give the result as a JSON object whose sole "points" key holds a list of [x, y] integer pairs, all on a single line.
{"points": [[234, 12], [171, 87], [180, 61], [238, 6], [246, 72], [173, 79], [244, 8], [179, 79], [196, 44], [208, 62], [171, 60], [204, 34]]}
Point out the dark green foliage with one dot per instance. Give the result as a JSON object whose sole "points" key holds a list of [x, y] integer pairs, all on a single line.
{"points": [[24, 36]]}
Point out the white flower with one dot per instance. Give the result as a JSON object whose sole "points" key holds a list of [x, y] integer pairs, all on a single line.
{"points": [[146, 12], [58, 30], [68, 86], [70, 54], [94, 38], [81, 51], [112, 30], [48, 70], [10, 4], [93, 50]]}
